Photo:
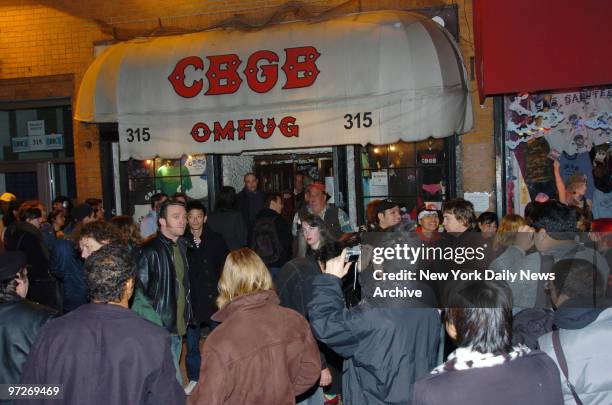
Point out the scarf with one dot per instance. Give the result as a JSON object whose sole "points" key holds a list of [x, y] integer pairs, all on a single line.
{"points": [[464, 358]]}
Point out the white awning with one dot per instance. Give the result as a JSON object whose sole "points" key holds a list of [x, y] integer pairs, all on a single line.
{"points": [[365, 78]]}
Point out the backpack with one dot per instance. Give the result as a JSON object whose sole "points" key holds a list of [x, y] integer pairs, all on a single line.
{"points": [[265, 241]]}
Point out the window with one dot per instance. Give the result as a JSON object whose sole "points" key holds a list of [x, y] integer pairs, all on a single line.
{"points": [[148, 177], [411, 173], [36, 133]]}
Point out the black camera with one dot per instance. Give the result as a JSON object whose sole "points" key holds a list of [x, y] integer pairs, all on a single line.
{"points": [[353, 253]]}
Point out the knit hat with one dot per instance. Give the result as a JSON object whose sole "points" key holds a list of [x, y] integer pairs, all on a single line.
{"points": [[7, 197], [385, 205], [318, 186]]}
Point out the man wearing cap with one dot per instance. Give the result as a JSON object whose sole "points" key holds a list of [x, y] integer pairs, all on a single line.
{"points": [[387, 215], [5, 200], [429, 221], [20, 319], [336, 219]]}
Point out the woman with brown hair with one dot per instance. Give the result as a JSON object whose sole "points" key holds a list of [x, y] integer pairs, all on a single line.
{"points": [[261, 353], [515, 235], [130, 233], [506, 232], [57, 219]]}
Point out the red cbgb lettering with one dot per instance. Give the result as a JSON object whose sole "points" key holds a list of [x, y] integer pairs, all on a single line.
{"points": [[222, 75], [269, 71], [301, 73], [201, 132], [177, 77]]}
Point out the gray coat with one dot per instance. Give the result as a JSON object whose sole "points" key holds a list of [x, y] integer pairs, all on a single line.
{"points": [[514, 259], [588, 355], [524, 292]]}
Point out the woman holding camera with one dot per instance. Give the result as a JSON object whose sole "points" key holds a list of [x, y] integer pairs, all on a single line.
{"points": [[261, 353]]}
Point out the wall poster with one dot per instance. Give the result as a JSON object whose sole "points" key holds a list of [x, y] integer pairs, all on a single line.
{"points": [[555, 144]]}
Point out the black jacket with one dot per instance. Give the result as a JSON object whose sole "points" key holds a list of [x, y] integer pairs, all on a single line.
{"points": [[25, 237], [532, 379], [385, 349], [250, 204], [20, 321], [205, 266], [294, 288], [283, 230], [104, 354], [231, 225], [67, 266], [157, 279]]}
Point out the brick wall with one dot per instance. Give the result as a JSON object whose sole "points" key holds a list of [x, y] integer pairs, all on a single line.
{"points": [[46, 38], [477, 146], [39, 48]]}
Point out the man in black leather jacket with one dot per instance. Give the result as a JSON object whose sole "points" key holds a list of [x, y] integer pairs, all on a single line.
{"points": [[163, 275], [20, 319]]}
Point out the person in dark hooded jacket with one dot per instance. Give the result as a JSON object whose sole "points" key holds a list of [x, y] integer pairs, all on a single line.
{"points": [[583, 324], [387, 344]]}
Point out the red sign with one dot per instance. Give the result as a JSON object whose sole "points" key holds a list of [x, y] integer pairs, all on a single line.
{"points": [[223, 78]]}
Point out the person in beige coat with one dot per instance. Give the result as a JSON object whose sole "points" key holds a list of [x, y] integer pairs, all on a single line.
{"points": [[261, 353]]}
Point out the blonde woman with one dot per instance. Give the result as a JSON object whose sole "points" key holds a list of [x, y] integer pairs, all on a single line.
{"points": [[506, 232], [261, 353]]}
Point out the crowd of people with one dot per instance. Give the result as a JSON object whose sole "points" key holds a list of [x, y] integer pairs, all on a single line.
{"points": [[271, 309]]}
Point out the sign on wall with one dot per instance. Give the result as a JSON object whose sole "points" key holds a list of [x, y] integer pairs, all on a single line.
{"points": [[36, 143], [36, 128]]}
